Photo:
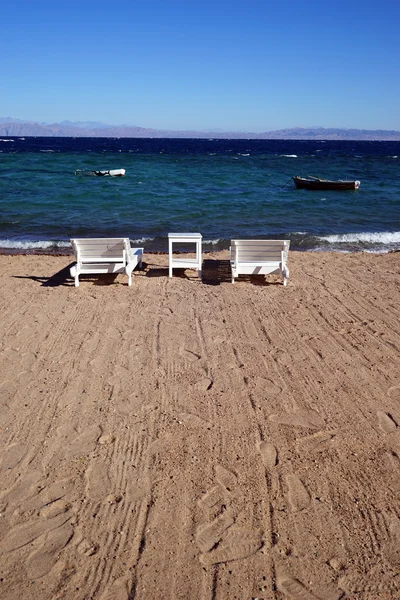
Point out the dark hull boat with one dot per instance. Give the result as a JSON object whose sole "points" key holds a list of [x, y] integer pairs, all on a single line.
{"points": [[314, 183]]}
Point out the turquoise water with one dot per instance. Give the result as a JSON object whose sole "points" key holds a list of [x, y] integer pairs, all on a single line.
{"points": [[222, 188]]}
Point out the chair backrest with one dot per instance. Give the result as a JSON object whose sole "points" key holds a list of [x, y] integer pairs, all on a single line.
{"points": [[107, 248], [259, 250]]}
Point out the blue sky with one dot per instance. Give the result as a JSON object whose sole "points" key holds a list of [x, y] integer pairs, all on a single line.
{"points": [[186, 64]]}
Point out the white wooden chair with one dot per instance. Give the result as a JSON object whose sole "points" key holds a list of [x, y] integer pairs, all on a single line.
{"points": [[259, 257], [104, 255]]}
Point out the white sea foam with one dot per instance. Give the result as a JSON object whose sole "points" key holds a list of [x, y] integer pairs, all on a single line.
{"points": [[381, 237], [142, 240], [29, 244], [212, 242], [2, 140], [289, 155]]}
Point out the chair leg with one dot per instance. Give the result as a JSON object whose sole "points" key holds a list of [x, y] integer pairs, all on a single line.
{"points": [[285, 275]]}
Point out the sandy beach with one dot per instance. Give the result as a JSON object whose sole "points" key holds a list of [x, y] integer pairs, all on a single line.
{"points": [[182, 439]]}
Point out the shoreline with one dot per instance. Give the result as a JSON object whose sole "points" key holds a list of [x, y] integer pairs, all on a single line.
{"points": [[207, 248]]}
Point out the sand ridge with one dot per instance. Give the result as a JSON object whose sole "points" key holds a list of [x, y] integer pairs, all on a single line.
{"points": [[183, 439]]}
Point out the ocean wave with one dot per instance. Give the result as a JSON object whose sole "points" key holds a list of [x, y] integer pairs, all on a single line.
{"points": [[142, 240], [3, 140], [31, 245], [381, 237], [289, 155], [212, 242]]}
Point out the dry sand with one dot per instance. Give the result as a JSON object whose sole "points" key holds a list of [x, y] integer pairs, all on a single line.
{"points": [[186, 440]]}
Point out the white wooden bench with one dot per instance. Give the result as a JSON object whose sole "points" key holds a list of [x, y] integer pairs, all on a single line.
{"points": [[259, 257], [104, 255]]}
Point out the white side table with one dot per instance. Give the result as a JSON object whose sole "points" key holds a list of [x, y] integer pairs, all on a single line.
{"points": [[181, 262]]}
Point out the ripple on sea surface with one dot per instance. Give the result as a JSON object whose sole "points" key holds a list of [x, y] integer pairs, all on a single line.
{"points": [[222, 188]]}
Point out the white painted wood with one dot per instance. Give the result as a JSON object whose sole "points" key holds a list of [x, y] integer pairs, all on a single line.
{"points": [[259, 257], [183, 262], [104, 255]]}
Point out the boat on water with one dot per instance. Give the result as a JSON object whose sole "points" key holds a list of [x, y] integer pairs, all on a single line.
{"points": [[109, 173], [315, 183]]}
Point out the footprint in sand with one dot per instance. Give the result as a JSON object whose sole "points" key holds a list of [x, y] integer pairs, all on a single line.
{"points": [[221, 540], [204, 384], [226, 478], [392, 460], [392, 551], [28, 360], [127, 405], [309, 419], [214, 499], [85, 441], [70, 441], [394, 392], [298, 495], [236, 543], [8, 389], [374, 585], [23, 488], [120, 589], [49, 498], [41, 561], [265, 388], [121, 374], [97, 480], [6, 416], [10, 457], [19, 537], [386, 422], [269, 454], [294, 589], [193, 420], [316, 442], [207, 536]]}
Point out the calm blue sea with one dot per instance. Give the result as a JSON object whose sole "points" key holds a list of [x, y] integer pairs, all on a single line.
{"points": [[222, 188]]}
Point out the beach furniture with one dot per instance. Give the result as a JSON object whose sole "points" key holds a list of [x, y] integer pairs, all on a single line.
{"points": [[259, 257], [182, 262], [104, 255]]}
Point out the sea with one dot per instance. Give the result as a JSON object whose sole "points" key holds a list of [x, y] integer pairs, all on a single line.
{"points": [[221, 188]]}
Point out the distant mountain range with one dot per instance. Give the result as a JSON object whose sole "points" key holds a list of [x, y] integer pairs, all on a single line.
{"points": [[10, 127]]}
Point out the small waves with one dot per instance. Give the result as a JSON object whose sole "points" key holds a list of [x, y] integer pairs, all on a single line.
{"points": [[33, 245], [381, 241], [382, 237], [142, 240], [189, 185]]}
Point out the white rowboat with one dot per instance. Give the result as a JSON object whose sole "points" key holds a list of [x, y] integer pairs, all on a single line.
{"points": [[109, 173]]}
